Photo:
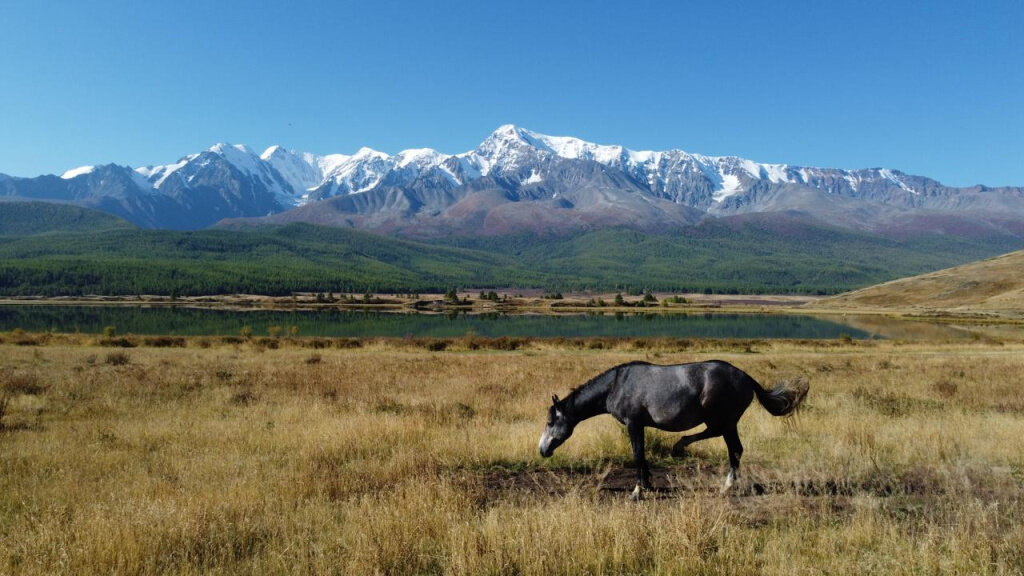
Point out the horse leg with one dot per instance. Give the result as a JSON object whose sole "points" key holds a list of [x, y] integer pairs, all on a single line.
{"points": [[679, 449], [732, 442], [643, 474]]}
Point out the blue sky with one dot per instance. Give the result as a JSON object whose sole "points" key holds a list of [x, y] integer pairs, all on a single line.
{"points": [[931, 88]]}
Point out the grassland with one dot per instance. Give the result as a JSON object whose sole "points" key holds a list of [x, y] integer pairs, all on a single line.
{"points": [[269, 456], [991, 288]]}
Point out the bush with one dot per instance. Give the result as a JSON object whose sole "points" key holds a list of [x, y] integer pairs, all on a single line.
{"points": [[20, 382], [271, 343], [165, 342], [345, 343], [505, 343], [121, 342], [436, 345], [118, 358]]}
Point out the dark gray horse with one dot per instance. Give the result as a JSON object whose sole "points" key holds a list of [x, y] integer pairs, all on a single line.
{"points": [[673, 398]]}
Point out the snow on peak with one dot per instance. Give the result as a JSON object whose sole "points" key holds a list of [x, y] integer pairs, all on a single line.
{"points": [[77, 172], [508, 131], [510, 151], [302, 172], [366, 152], [895, 179], [420, 157], [729, 185], [223, 148], [240, 156], [269, 152], [577, 149]]}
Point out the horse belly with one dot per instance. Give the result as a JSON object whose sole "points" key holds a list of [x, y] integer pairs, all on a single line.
{"points": [[676, 419]]}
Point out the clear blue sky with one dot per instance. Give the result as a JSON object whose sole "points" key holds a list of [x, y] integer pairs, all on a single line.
{"points": [[933, 88]]}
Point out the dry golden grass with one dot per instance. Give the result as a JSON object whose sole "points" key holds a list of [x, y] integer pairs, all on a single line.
{"points": [[994, 287], [390, 459]]}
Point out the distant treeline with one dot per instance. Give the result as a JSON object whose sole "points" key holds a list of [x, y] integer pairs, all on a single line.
{"points": [[709, 258]]}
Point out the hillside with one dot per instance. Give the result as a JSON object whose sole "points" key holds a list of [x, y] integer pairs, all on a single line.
{"points": [[991, 287], [273, 261], [731, 255], [30, 218]]}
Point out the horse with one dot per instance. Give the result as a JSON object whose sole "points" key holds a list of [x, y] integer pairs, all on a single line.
{"points": [[673, 397]]}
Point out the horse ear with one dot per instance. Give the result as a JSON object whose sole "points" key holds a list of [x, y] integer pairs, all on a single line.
{"points": [[554, 399]]}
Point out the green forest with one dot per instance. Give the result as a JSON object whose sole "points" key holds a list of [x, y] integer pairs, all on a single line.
{"points": [[114, 259]]}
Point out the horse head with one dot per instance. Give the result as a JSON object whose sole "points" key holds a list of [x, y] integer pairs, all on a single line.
{"points": [[558, 428]]}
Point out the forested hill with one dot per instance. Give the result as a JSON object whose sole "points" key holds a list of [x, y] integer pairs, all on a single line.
{"points": [[29, 218], [736, 256]]}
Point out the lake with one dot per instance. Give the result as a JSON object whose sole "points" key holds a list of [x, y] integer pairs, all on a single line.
{"points": [[184, 321]]}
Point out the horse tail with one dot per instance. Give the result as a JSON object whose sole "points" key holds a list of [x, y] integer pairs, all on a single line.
{"points": [[784, 398]]}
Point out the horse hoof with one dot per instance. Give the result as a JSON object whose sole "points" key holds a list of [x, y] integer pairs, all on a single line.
{"points": [[730, 480], [679, 452]]}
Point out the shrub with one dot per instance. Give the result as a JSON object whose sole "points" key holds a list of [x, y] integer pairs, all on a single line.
{"points": [[268, 343], [436, 345], [121, 342], [946, 388], [344, 343], [165, 342], [3, 407], [20, 382], [244, 396], [118, 358], [505, 343]]}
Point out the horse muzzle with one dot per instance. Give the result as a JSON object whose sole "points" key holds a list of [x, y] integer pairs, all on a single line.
{"points": [[547, 445], [545, 448]]}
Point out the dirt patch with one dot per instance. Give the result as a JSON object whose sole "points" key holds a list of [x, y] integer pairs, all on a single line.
{"points": [[607, 480], [695, 477]]}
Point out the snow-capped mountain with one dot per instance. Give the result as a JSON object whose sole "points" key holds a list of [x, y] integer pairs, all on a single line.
{"points": [[514, 180]]}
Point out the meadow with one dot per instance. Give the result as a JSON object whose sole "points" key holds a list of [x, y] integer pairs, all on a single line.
{"points": [[401, 456]]}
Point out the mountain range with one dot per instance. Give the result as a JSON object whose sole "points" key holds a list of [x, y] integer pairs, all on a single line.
{"points": [[518, 181]]}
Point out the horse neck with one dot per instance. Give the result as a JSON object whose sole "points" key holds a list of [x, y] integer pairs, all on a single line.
{"points": [[591, 399]]}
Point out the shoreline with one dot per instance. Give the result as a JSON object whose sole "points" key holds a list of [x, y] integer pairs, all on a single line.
{"points": [[529, 302]]}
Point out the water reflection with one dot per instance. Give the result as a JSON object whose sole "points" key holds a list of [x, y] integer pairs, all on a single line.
{"points": [[901, 329], [453, 324], [197, 321]]}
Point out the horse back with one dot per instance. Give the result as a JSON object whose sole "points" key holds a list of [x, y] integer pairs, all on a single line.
{"points": [[680, 396]]}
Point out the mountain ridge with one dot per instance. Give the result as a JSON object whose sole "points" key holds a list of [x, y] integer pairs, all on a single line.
{"points": [[515, 180]]}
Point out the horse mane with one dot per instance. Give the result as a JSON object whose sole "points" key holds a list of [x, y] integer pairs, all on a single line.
{"points": [[578, 389]]}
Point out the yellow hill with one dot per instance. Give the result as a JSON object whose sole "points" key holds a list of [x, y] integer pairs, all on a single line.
{"points": [[989, 287]]}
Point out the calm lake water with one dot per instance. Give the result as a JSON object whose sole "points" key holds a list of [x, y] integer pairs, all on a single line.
{"points": [[194, 321]]}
